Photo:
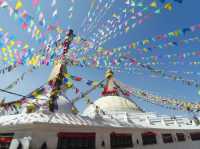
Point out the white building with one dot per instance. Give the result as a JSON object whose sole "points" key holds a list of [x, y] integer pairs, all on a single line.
{"points": [[118, 124], [111, 122]]}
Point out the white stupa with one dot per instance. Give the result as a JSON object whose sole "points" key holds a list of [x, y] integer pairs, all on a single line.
{"points": [[102, 124], [112, 104]]}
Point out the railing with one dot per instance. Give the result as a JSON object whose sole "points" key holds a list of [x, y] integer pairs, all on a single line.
{"points": [[153, 119]]}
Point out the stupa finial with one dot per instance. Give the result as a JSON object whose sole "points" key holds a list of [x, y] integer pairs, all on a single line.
{"points": [[109, 74], [60, 70], [109, 88]]}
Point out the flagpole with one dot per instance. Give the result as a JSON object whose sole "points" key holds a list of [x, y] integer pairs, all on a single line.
{"points": [[58, 81]]}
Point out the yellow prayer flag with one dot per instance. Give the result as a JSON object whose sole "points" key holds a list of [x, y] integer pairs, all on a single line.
{"points": [[31, 108], [26, 46], [5, 58], [34, 62], [153, 4], [35, 94], [9, 47], [145, 50], [168, 6], [10, 62], [146, 41], [12, 42], [133, 45], [67, 75], [59, 30], [11, 55], [95, 83], [18, 5], [17, 104], [37, 32], [176, 33], [68, 85], [127, 29], [78, 39], [3, 50]]}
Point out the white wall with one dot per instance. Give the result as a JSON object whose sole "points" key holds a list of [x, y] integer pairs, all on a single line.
{"points": [[44, 133]]}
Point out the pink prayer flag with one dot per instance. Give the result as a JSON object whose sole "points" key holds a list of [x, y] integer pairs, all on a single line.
{"points": [[1, 1], [35, 2], [140, 21]]}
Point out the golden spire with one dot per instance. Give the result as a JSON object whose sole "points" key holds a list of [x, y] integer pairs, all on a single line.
{"points": [[109, 74]]}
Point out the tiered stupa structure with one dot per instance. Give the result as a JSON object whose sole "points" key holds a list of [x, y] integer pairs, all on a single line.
{"points": [[112, 122], [111, 102]]}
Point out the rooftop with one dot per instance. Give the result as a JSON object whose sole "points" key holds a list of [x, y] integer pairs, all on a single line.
{"points": [[117, 119]]}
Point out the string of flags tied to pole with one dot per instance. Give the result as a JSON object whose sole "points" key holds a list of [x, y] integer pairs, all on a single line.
{"points": [[133, 13], [90, 51], [7, 69], [33, 99], [32, 59], [26, 19], [39, 94], [133, 62], [36, 57], [178, 104], [19, 79]]}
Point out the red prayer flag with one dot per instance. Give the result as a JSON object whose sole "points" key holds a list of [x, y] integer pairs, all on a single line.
{"points": [[24, 26], [77, 78]]}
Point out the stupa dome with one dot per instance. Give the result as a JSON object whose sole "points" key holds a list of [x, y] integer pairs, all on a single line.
{"points": [[112, 104]]}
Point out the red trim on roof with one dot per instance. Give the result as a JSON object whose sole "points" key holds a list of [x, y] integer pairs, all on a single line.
{"points": [[5, 139]]}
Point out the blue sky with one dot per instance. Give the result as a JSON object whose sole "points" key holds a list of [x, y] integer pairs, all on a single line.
{"points": [[182, 15]]}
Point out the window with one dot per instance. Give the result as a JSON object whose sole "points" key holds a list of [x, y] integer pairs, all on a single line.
{"points": [[149, 138], [5, 140], [167, 138], [4, 145], [120, 140], [180, 137], [76, 141], [195, 136]]}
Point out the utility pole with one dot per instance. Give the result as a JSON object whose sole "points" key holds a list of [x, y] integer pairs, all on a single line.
{"points": [[58, 81]]}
